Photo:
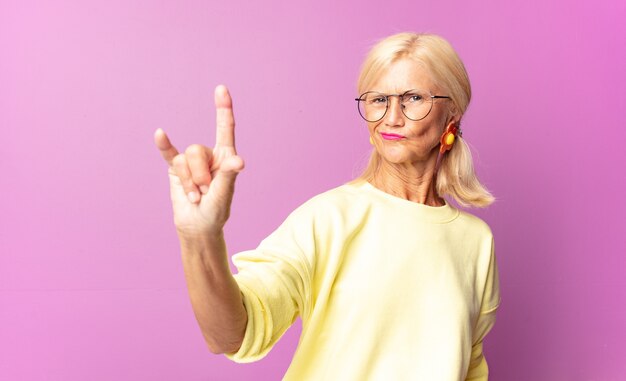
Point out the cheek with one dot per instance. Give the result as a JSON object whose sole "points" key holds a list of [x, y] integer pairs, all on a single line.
{"points": [[426, 136], [441, 118], [371, 127], [426, 130], [437, 124]]}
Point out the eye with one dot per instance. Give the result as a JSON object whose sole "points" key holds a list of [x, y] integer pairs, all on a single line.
{"points": [[413, 98], [378, 100]]}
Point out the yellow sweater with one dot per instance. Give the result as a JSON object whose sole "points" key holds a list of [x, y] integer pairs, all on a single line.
{"points": [[387, 289]]}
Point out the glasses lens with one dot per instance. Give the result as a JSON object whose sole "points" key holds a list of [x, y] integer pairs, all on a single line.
{"points": [[372, 106], [416, 104]]}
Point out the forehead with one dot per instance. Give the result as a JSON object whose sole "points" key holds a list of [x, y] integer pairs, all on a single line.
{"points": [[404, 74]]}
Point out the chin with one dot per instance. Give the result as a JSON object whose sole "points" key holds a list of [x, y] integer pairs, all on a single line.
{"points": [[396, 159], [393, 159], [399, 157]]}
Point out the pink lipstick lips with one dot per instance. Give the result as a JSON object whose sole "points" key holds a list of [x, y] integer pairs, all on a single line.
{"points": [[391, 136]]}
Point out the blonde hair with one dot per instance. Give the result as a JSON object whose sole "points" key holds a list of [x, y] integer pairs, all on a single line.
{"points": [[456, 176]]}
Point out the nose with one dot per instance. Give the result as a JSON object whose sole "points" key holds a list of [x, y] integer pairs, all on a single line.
{"points": [[395, 116]]}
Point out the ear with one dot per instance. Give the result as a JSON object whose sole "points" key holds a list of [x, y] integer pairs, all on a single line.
{"points": [[453, 120]]}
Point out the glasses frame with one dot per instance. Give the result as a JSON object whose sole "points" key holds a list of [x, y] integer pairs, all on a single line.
{"points": [[400, 96]]}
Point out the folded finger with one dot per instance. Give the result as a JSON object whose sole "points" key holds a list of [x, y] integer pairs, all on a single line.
{"points": [[184, 174], [199, 162]]}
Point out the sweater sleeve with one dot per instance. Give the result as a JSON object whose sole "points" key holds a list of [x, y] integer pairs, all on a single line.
{"points": [[478, 369], [275, 282]]}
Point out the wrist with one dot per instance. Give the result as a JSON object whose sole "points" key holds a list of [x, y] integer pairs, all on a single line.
{"points": [[204, 250], [200, 234], [200, 241]]}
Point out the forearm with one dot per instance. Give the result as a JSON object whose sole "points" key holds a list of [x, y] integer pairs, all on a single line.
{"points": [[214, 293]]}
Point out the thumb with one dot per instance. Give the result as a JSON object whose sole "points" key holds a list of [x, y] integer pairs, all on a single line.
{"points": [[224, 178]]}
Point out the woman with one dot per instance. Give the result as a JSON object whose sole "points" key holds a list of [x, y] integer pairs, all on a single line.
{"points": [[391, 281]]}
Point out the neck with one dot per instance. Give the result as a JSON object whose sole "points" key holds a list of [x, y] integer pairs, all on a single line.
{"points": [[414, 182]]}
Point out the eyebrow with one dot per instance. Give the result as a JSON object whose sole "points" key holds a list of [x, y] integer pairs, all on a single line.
{"points": [[399, 92]]}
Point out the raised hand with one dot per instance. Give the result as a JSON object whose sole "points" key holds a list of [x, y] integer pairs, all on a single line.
{"points": [[202, 180]]}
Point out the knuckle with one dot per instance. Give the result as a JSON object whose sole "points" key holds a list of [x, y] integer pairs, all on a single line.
{"points": [[195, 150], [179, 160], [225, 123]]}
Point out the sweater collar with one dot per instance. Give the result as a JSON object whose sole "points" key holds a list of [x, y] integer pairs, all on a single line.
{"points": [[436, 214]]}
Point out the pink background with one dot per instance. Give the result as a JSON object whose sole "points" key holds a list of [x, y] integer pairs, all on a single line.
{"points": [[91, 283]]}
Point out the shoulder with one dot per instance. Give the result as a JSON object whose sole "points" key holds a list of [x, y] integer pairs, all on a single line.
{"points": [[332, 199], [474, 222], [334, 209]]}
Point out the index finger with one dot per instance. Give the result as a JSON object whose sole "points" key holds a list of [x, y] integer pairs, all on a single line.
{"points": [[225, 125]]}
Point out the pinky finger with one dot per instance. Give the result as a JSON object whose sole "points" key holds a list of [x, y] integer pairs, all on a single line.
{"points": [[168, 151]]}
